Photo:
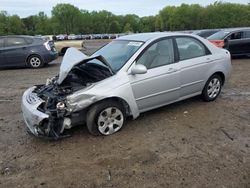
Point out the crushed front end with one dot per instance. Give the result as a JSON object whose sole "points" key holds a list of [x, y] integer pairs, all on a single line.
{"points": [[45, 108]]}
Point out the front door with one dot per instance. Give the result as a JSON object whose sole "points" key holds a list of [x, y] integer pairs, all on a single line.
{"points": [[2, 61], [160, 85], [15, 51]]}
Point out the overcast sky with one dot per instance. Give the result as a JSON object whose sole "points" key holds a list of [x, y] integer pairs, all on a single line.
{"points": [[25, 8]]}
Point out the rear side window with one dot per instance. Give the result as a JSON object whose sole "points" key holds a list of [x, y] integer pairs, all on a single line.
{"points": [[190, 48], [1, 43], [16, 41], [247, 34]]}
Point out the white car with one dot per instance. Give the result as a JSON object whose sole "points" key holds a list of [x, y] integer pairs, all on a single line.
{"points": [[72, 37], [130, 75]]}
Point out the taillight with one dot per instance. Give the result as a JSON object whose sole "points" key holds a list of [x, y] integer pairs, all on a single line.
{"points": [[218, 43], [47, 46]]}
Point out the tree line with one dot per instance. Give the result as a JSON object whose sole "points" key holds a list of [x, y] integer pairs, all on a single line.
{"points": [[66, 19]]}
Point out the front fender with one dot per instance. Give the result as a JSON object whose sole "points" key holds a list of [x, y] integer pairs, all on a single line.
{"points": [[120, 88]]}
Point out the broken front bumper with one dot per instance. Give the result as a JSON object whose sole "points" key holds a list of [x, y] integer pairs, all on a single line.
{"points": [[32, 116]]}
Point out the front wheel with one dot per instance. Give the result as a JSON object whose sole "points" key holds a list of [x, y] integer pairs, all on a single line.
{"points": [[212, 88], [105, 118]]}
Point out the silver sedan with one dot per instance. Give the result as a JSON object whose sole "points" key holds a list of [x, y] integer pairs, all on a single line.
{"points": [[130, 75]]}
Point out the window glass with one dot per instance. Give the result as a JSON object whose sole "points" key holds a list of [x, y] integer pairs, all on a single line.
{"points": [[220, 35], [246, 34], [16, 41], [190, 48], [234, 36], [117, 52], [29, 40], [159, 54], [1, 43]]}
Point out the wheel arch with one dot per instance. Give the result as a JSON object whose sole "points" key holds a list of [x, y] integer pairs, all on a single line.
{"points": [[221, 74], [63, 50], [33, 54], [120, 100]]}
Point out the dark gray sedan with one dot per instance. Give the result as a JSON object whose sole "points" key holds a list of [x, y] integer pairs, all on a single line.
{"points": [[34, 52]]}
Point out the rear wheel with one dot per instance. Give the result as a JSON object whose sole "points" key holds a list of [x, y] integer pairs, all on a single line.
{"points": [[105, 118], [212, 88], [35, 61]]}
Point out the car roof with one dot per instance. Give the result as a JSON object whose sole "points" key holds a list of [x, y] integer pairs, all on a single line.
{"points": [[144, 37], [20, 36], [236, 29]]}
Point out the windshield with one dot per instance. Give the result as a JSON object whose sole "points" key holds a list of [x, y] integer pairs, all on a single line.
{"points": [[218, 36], [117, 53]]}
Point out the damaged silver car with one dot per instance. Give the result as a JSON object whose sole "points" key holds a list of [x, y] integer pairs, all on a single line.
{"points": [[128, 76]]}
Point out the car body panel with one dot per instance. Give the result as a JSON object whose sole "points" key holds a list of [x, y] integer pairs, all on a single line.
{"points": [[239, 46], [147, 92]]}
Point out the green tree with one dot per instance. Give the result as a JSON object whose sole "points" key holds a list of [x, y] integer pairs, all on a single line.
{"points": [[3, 22], [114, 27], [127, 28], [67, 17]]}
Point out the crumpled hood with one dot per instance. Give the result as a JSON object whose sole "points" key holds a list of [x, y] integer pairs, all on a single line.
{"points": [[73, 57]]}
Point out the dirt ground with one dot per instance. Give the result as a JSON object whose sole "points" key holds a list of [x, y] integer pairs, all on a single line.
{"points": [[188, 144]]}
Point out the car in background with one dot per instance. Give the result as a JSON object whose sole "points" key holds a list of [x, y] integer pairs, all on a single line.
{"points": [[128, 76], [206, 32], [34, 52], [105, 36], [235, 40], [72, 37], [60, 37], [79, 37]]}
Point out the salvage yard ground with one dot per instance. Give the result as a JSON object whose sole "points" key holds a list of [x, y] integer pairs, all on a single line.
{"points": [[188, 144]]}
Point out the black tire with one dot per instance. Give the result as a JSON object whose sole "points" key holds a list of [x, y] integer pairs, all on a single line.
{"points": [[94, 115], [35, 62], [212, 88]]}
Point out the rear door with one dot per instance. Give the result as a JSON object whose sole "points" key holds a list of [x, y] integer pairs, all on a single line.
{"points": [[15, 51], [194, 61], [236, 43]]}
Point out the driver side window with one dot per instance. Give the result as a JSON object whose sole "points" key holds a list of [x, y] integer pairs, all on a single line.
{"points": [[159, 54], [237, 35]]}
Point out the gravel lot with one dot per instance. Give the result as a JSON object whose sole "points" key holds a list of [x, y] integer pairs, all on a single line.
{"points": [[188, 144]]}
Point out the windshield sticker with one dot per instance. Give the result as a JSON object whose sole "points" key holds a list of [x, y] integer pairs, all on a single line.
{"points": [[134, 43]]}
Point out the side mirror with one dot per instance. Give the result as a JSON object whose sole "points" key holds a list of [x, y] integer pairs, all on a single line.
{"points": [[138, 69]]}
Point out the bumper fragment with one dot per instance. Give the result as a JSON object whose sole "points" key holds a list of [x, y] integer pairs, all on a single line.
{"points": [[32, 116]]}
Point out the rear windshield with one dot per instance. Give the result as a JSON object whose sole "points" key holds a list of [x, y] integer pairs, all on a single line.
{"points": [[220, 35]]}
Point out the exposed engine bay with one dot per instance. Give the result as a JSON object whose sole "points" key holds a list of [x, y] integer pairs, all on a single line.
{"points": [[54, 95]]}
